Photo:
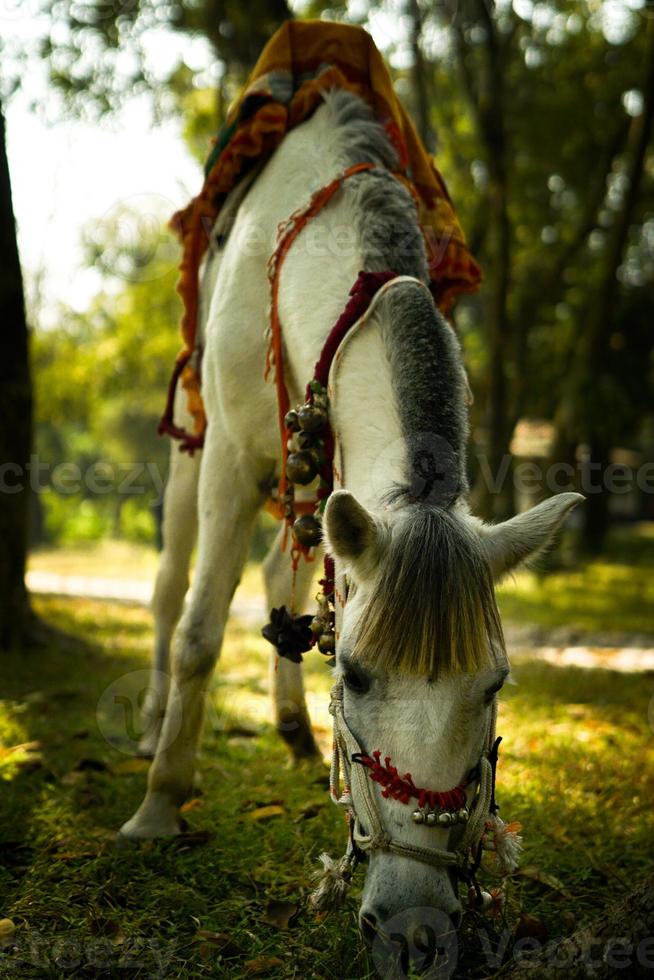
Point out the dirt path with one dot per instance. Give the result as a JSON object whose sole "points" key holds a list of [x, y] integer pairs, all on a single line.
{"points": [[563, 646], [247, 606]]}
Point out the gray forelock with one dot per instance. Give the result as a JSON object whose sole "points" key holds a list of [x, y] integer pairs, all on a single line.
{"points": [[424, 353]]}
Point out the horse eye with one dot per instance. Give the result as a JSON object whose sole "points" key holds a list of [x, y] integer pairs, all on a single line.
{"points": [[355, 680], [492, 691]]}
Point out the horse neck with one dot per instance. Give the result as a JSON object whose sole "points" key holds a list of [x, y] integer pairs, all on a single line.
{"points": [[328, 256], [372, 450]]}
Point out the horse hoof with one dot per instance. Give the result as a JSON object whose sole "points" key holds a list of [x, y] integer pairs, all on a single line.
{"points": [[156, 817]]}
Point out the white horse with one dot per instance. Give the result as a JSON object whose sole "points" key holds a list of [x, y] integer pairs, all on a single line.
{"points": [[420, 655]]}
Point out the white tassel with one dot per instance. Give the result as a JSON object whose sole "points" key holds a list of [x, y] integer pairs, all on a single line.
{"points": [[333, 883], [504, 842]]}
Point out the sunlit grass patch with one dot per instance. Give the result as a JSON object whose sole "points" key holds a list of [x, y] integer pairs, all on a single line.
{"points": [[598, 596]]}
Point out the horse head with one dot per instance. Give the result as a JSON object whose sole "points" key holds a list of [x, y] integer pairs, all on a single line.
{"points": [[419, 664]]}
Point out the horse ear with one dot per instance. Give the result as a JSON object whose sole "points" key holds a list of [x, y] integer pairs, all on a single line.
{"points": [[524, 536], [352, 533]]}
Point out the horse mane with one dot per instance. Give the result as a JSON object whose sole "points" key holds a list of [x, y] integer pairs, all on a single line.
{"points": [[423, 351], [432, 611], [433, 608]]}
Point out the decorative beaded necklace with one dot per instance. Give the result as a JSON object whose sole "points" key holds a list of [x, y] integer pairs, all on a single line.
{"points": [[307, 439]]}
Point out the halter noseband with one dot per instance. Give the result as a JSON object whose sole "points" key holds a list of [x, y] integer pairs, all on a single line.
{"points": [[355, 777]]}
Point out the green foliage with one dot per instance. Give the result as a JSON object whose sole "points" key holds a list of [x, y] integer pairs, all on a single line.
{"points": [[564, 86], [137, 522], [69, 520], [101, 379]]}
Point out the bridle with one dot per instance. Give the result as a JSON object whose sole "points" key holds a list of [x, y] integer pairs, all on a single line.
{"points": [[349, 780]]}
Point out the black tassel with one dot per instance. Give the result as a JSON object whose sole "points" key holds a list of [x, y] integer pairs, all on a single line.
{"points": [[289, 633]]}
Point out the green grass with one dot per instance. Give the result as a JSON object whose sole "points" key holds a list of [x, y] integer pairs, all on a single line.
{"points": [[577, 772], [610, 594]]}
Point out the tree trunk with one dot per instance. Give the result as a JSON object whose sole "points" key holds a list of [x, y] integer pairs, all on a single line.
{"points": [[419, 79], [596, 507], [618, 943], [592, 410], [485, 93], [15, 423]]}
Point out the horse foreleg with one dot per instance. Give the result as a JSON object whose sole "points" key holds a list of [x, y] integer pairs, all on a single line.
{"points": [[228, 501], [179, 534], [286, 678]]}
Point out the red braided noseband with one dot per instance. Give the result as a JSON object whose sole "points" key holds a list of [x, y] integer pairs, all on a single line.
{"points": [[403, 788]]}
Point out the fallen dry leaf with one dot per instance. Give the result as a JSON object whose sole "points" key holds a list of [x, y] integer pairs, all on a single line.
{"points": [[74, 855], [6, 750], [192, 838], [7, 930], [191, 805], [216, 942], [131, 766], [543, 878], [279, 914], [530, 926], [266, 812], [309, 811], [262, 964]]}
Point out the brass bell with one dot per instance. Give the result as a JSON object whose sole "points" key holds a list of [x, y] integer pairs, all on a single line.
{"points": [[463, 815], [307, 440], [318, 626], [485, 902], [418, 816], [431, 818], [301, 467], [291, 421], [311, 418], [445, 819], [327, 642], [308, 530]]}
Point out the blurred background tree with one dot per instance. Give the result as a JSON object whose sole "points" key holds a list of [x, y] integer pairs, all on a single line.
{"points": [[540, 115]]}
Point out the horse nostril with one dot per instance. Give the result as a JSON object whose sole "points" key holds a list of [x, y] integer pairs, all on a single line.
{"points": [[368, 926]]}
